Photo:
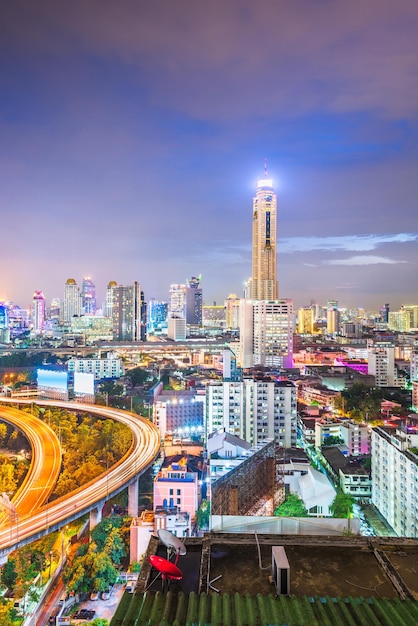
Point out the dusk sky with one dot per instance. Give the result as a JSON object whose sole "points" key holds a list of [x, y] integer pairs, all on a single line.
{"points": [[132, 135]]}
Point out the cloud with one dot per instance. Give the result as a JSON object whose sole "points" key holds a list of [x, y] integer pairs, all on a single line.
{"points": [[363, 260], [354, 243]]}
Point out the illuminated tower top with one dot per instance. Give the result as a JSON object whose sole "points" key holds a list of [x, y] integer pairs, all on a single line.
{"points": [[264, 285]]}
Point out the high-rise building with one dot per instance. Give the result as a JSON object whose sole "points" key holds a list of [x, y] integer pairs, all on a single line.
{"points": [[306, 321], [232, 304], [333, 317], [177, 301], [38, 312], [128, 313], [254, 410], [157, 317], [381, 364], [108, 305], [55, 309], [395, 478], [266, 333], [384, 313], [264, 284], [72, 300], [88, 293], [194, 301]]}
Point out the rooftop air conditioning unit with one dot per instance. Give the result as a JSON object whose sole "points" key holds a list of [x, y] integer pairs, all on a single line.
{"points": [[280, 570]]}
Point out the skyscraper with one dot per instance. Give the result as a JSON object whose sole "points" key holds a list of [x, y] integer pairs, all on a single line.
{"points": [[264, 284], [72, 300], [128, 313], [38, 311], [194, 301], [88, 293], [266, 333]]}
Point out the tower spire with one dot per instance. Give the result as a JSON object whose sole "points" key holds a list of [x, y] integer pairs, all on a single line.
{"points": [[265, 168]]}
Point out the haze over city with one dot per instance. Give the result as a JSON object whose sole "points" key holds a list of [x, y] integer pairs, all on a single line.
{"points": [[133, 135]]}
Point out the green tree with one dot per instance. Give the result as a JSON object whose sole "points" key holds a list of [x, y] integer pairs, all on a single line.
{"points": [[332, 440], [7, 614], [292, 507], [202, 515], [138, 376], [342, 506], [114, 546], [9, 574]]}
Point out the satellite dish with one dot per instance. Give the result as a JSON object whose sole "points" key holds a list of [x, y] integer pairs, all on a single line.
{"points": [[168, 570], [172, 543]]}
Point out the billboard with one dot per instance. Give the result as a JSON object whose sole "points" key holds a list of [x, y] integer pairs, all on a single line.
{"points": [[53, 379], [84, 383]]}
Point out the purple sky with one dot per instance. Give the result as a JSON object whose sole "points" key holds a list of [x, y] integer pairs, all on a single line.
{"points": [[132, 135]]}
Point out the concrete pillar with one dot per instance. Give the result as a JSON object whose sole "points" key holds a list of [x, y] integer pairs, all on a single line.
{"points": [[133, 492], [95, 516]]}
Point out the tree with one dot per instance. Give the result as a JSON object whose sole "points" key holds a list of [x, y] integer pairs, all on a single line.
{"points": [[203, 514], [7, 479], [6, 614], [342, 506], [332, 440], [138, 376], [292, 507]]}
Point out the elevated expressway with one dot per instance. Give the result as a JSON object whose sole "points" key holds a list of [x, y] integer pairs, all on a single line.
{"points": [[90, 498]]}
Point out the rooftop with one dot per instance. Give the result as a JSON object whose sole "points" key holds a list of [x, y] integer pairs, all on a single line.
{"points": [[333, 581]]}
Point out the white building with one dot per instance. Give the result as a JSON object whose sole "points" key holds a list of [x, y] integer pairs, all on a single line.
{"points": [[112, 367], [266, 333], [313, 487], [72, 304], [176, 328], [381, 364], [395, 478], [254, 410], [179, 412]]}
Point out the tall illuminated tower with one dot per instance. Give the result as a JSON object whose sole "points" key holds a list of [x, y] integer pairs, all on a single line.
{"points": [[264, 284], [38, 311]]}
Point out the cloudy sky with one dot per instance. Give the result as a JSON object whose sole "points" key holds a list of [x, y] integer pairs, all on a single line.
{"points": [[132, 134]]}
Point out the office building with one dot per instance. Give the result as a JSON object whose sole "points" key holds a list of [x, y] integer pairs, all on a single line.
{"points": [[176, 328], [177, 301], [194, 301], [266, 333], [72, 300], [306, 321], [264, 284], [88, 294], [108, 305], [38, 312], [128, 313], [232, 305], [157, 317], [333, 317]]}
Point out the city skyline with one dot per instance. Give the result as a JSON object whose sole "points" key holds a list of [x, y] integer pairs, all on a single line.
{"points": [[133, 137]]}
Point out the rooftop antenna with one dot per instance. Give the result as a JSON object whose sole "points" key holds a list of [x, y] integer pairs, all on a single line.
{"points": [[265, 168]]}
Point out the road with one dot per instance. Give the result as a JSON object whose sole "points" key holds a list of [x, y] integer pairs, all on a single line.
{"points": [[145, 447], [44, 468]]}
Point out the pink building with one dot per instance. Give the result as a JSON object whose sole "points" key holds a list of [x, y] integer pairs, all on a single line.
{"points": [[177, 486]]}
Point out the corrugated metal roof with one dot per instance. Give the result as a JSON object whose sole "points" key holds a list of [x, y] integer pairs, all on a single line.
{"points": [[170, 609]]}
